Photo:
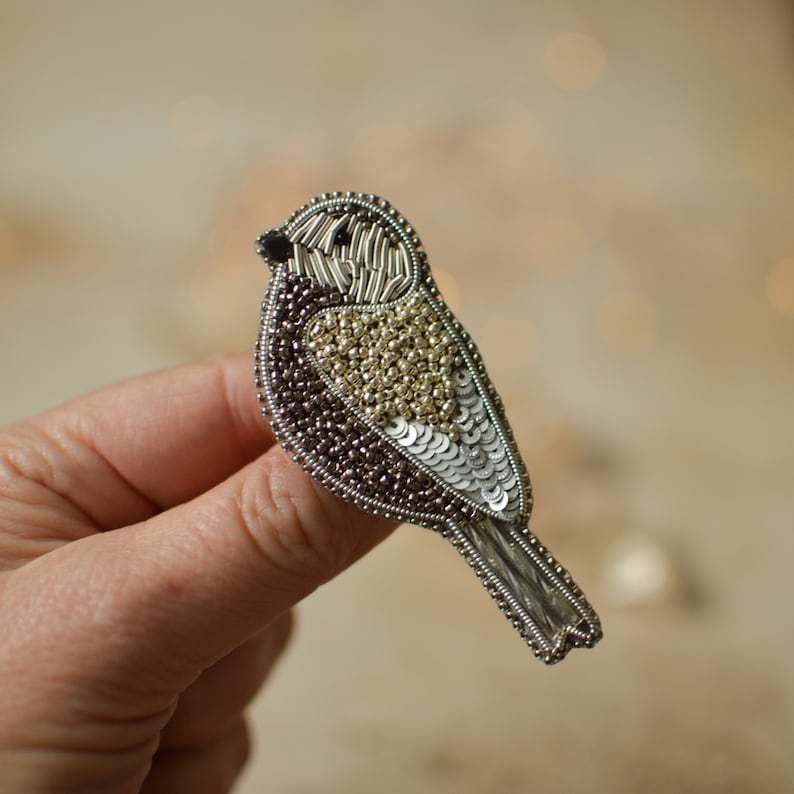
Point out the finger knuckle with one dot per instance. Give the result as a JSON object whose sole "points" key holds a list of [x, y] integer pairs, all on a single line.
{"points": [[294, 524]]}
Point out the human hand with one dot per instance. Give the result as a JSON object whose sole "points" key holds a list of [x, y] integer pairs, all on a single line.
{"points": [[152, 540]]}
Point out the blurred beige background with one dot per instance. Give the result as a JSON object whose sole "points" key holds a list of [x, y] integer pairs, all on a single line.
{"points": [[612, 184]]}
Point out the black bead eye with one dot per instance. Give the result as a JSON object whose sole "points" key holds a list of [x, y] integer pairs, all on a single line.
{"points": [[278, 248], [342, 237]]}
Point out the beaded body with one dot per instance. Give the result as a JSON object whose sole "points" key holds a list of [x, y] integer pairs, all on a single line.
{"points": [[378, 392]]}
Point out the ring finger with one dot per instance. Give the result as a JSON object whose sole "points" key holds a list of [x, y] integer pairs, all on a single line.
{"points": [[220, 694]]}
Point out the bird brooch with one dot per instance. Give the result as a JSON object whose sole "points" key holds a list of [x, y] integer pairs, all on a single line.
{"points": [[377, 391]]}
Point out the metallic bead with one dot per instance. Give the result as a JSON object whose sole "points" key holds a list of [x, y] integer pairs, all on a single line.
{"points": [[374, 357]]}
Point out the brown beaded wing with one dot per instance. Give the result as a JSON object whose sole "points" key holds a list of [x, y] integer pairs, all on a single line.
{"points": [[378, 392]]}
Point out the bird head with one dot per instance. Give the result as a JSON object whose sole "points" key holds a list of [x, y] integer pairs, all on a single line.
{"points": [[355, 243]]}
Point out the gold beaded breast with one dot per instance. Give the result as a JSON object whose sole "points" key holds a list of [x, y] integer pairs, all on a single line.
{"points": [[391, 361]]}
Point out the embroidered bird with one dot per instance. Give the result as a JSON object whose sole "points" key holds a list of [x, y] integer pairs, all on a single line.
{"points": [[375, 388]]}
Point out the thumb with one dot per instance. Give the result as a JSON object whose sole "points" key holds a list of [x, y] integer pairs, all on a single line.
{"points": [[229, 562]]}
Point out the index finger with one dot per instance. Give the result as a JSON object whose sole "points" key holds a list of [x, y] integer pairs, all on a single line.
{"points": [[129, 451]]}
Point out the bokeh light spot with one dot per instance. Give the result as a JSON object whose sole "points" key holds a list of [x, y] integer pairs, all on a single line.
{"points": [[640, 572], [780, 286], [574, 61]]}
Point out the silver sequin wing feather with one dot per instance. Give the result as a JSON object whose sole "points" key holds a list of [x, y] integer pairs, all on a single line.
{"points": [[473, 461]]}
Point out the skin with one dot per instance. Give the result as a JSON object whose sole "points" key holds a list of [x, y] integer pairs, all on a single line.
{"points": [[153, 538]]}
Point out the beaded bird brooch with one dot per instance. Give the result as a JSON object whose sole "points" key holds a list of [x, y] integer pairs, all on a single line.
{"points": [[377, 391]]}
